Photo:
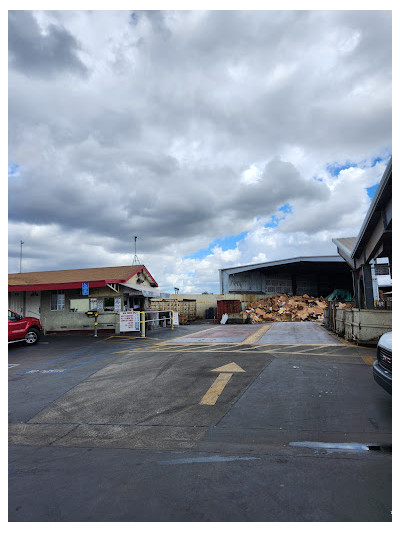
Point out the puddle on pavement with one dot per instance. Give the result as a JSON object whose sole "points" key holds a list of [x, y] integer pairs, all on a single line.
{"points": [[351, 446]]}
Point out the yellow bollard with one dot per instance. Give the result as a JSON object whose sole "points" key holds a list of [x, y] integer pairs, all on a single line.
{"points": [[143, 324], [172, 319]]}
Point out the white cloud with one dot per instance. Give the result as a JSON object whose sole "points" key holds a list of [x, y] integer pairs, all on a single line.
{"points": [[190, 126], [251, 175]]}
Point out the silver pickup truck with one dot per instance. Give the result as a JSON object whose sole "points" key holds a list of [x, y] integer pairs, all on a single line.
{"points": [[382, 369]]}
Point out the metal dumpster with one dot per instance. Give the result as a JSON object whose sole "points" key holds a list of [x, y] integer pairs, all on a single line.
{"points": [[365, 326], [340, 321]]}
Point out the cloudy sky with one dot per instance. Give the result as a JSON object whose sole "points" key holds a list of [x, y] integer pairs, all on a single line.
{"points": [[218, 138]]}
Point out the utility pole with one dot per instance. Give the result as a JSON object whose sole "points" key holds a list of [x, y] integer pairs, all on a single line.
{"points": [[20, 258]]}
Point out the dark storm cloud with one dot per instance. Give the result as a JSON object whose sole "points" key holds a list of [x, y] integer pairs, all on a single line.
{"points": [[178, 107], [37, 54], [280, 183]]}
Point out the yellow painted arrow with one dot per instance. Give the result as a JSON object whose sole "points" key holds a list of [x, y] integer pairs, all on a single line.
{"points": [[226, 372]]}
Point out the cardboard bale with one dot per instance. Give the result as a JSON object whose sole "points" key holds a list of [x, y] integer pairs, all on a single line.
{"points": [[284, 308]]}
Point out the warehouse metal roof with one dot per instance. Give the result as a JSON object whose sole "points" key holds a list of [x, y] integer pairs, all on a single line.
{"points": [[345, 247], [346, 243], [301, 259]]}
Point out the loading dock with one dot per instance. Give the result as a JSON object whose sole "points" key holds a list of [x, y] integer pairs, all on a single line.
{"points": [[315, 276]]}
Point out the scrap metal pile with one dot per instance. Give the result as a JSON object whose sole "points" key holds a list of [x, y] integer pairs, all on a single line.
{"points": [[286, 308]]}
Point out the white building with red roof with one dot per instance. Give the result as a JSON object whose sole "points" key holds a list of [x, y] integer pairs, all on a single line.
{"points": [[61, 298]]}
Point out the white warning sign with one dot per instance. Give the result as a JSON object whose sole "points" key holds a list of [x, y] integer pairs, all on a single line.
{"points": [[129, 320]]}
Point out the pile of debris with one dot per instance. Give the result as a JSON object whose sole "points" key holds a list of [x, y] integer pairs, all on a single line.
{"points": [[286, 308]]}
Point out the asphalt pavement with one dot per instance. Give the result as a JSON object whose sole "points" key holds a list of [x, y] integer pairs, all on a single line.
{"points": [[202, 423]]}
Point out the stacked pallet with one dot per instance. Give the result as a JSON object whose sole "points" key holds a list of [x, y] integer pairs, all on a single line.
{"points": [[185, 308], [284, 308]]}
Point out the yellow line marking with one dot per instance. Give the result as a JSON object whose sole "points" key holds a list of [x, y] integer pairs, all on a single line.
{"points": [[308, 349], [231, 367], [303, 344], [175, 343], [283, 349], [184, 336], [131, 350], [343, 341], [226, 372], [252, 339], [213, 393], [246, 341], [368, 359], [329, 354], [126, 337]]}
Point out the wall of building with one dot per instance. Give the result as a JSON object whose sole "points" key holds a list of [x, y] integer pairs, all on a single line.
{"points": [[277, 284], [268, 283], [16, 302], [252, 280], [205, 301], [69, 320]]}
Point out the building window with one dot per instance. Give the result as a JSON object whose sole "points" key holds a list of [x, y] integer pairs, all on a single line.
{"points": [[57, 301], [108, 304]]}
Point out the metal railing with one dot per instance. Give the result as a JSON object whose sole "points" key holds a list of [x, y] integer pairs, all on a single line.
{"points": [[148, 320], [151, 318], [155, 321]]}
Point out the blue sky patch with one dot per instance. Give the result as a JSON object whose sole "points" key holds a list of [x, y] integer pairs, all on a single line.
{"points": [[335, 168], [273, 223], [286, 208], [274, 220], [227, 243], [13, 169], [372, 190]]}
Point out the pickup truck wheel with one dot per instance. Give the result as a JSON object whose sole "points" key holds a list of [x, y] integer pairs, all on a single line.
{"points": [[32, 336]]}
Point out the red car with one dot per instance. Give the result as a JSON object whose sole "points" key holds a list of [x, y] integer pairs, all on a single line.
{"points": [[23, 328]]}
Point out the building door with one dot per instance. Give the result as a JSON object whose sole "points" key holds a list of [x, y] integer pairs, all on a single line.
{"points": [[32, 304]]}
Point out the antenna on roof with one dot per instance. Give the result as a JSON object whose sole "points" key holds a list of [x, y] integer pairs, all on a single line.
{"points": [[20, 258], [135, 257]]}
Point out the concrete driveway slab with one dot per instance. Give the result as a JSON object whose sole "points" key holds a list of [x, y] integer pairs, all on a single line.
{"points": [[297, 333], [208, 431], [305, 398], [226, 333], [153, 391]]}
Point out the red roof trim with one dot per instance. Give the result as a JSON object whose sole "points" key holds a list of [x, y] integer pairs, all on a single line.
{"points": [[140, 269], [73, 285], [56, 286]]}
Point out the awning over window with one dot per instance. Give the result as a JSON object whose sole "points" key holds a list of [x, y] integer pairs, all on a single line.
{"points": [[148, 292]]}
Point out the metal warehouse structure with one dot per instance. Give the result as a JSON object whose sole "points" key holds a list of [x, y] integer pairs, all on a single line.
{"points": [[315, 276]]}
